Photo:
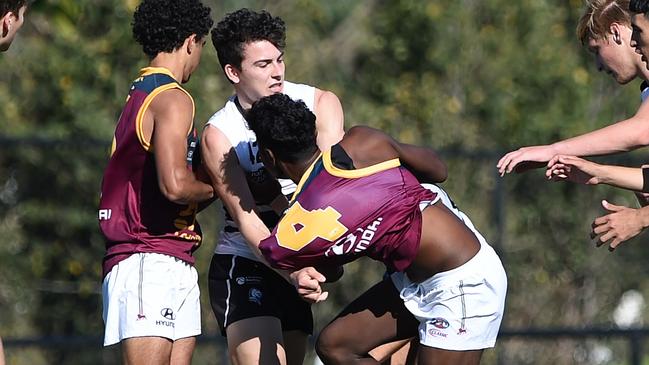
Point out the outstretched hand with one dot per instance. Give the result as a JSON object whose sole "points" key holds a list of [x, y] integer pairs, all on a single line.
{"points": [[621, 224], [307, 282], [572, 168], [525, 158]]}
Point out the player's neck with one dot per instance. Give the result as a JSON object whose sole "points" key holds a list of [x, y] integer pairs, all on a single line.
{"points": [[296, 170], [171, 63]]}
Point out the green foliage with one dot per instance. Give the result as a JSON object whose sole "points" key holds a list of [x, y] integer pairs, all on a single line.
{"points": [[475, 78]]}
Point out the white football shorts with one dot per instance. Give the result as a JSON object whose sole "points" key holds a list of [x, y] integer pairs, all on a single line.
{"points": [[459, 309], [151, 294]]}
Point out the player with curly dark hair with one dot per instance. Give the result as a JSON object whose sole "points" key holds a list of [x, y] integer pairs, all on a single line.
{"points": [[150, 193], [163, 26], [250, 300], [12, 17]]}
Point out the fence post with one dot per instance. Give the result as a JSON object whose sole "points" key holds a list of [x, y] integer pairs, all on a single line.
{"points": [[498, 213], [636, 347]]}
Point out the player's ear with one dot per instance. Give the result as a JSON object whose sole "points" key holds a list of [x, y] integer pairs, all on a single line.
{"points": [[232, 73], [615, 30], [6, 24], [268, 158], [190, 43]]}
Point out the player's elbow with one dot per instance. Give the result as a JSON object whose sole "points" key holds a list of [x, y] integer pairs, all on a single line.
{"points": [[441, 173], [437, 173], [173, 193], [174, 189]]}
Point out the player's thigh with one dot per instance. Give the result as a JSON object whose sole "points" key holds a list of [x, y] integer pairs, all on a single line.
{"points": [[433, 356], [182, 350], [377, 317], [146, 350], [256, 340], [295, 343]]}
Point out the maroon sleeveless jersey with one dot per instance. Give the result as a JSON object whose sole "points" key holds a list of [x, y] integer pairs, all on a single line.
{"points": [[337, 215], [134, 216]]}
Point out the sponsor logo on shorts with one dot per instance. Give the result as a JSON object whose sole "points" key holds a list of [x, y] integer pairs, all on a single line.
{"points": [[165, 323], [168, 313], [436, 333], [254, 295], [241, 280], [439, 322]]}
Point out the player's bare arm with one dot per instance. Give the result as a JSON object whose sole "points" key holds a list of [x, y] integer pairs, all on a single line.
{"points": [[368, 146], [330, 119], [230, 185], [167, 121], [622, 136]]}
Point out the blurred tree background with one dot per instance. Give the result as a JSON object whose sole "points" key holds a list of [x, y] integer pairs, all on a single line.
{"points": [[472, 78]]}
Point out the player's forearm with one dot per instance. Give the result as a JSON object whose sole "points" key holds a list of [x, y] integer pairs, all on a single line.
{"points": [[254, 231], [619, 137], [621, 177]]}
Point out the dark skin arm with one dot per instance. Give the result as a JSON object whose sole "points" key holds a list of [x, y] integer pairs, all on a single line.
{"points": [[368, 146]]}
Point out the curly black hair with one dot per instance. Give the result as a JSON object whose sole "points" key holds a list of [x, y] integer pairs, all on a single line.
{"points": [[284, 126], [639, 6], [163, 25], [13, 6], [243, 26]]}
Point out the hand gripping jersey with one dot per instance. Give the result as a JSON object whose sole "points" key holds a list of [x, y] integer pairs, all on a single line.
{"points": [[230, 121], [337, 215], [134, 216]]}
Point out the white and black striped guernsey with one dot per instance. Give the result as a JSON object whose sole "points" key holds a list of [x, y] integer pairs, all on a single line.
{"points": [[232, 123]]}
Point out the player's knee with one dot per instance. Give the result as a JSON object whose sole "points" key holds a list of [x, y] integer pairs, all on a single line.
{"points": [[330, 350]]}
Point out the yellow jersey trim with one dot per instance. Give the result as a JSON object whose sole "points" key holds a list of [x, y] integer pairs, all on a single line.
{"points": [[156, 70], [139, 128], [304, 178], [113, 146], [353, 174]]}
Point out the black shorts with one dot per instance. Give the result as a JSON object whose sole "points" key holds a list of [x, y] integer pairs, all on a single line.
{"points": [[241, 288]]}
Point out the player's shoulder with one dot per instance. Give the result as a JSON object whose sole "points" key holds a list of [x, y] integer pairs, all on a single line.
{"points": [[173, 99], [303, 92], [214, 140], [366, 143], [363, 131], [225, 114], [293, 87]]}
